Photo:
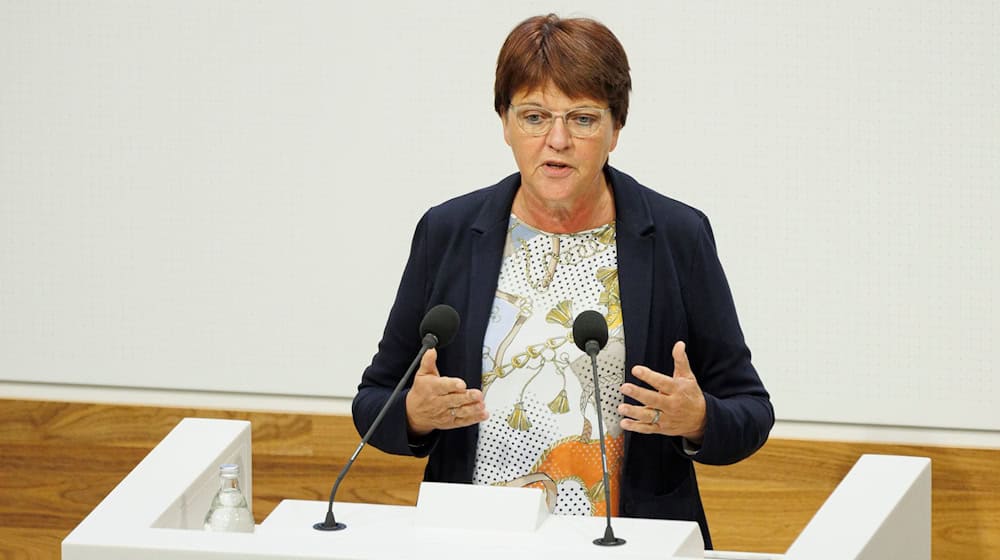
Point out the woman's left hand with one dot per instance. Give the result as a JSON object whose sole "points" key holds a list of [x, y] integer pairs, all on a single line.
{"points": [[675, 406]]}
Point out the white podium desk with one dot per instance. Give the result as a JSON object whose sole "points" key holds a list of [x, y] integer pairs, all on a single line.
{"points": [[157, 511]]}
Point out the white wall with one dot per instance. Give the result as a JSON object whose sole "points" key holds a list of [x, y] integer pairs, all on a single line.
{"points": [[219, 197]]}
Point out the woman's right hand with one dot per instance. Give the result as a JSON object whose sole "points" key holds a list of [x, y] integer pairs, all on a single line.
{"points": [[441, 403]]}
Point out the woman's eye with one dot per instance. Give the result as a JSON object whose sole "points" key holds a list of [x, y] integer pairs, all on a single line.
{"points": [[533, 118], [584, 119]]}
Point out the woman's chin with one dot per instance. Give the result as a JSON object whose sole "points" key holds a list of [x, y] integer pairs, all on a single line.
{"points": [[553, 193]]}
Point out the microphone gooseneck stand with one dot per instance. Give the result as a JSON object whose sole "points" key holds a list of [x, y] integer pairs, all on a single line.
{"points": [[330, 523], [437, 329], [590, 334], [609, 538]]}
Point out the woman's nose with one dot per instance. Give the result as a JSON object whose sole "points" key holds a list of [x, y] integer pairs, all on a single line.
{"points": [[559, 137]]}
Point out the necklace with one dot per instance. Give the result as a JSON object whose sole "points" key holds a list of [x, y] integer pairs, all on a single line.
{"points": [[564, 250]]}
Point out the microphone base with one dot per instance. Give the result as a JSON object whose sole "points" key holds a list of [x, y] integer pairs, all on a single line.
{"points": [[324, 527], [609, 541]]}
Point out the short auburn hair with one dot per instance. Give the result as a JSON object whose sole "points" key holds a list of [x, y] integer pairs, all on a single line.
{"points": [[580, 56]]}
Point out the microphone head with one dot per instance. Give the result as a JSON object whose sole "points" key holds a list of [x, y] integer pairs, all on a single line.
{"points": [[590, 325], [441, 321]]}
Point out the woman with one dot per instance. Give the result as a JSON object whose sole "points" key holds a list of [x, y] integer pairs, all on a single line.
{"points": [[510, 401]]}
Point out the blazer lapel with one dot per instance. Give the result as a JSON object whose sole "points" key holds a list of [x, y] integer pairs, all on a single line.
{"points": [[489, 233], [635, 241]]}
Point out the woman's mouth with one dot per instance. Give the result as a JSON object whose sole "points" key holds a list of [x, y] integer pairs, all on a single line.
{"points": [[556, 169]]}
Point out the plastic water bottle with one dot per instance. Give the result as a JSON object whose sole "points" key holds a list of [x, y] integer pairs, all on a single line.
{"points": [[229, 511]]}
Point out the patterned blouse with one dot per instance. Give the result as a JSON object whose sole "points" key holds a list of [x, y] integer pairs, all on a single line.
{"points": [[538, 386]]}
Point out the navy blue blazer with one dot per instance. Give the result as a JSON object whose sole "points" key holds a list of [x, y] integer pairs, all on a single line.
{"points": [[672, 288]]}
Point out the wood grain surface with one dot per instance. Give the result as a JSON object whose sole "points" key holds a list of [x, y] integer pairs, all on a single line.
{"points": [[59, 460]]}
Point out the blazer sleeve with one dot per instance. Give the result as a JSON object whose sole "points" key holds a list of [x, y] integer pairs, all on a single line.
{"points": [[738, 409], [396, 351]]}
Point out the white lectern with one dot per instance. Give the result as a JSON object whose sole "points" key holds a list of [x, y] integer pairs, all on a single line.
{"points": [[156, 512], [882, 509]]}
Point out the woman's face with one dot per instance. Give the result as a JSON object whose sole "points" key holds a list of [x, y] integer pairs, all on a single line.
{"points": [[558, 168]]}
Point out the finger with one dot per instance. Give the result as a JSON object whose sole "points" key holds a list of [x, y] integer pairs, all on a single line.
{"points": [[468, 413], [450, 388], [463, 398], [647, 397], [682, 367], [428, 370], [658, 381], [428, 364], [640, 427], [643, 414]]}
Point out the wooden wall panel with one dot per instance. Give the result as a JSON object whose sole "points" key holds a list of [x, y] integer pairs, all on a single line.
{"points": [[764, 502], [58, 461]]}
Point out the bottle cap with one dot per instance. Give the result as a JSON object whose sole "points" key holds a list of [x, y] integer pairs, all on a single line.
{"points": [[229, 470]]}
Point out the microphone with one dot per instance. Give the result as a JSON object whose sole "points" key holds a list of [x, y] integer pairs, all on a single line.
{"points": [[436, 331], [590, 333]]}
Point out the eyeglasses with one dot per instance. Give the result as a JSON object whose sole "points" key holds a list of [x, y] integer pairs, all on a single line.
{"points": [[582, 122]]}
